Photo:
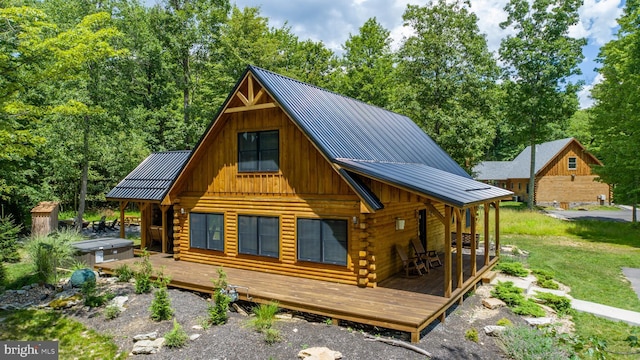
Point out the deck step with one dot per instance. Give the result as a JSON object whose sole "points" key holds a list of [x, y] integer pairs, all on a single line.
{"points": [[489, 276]]}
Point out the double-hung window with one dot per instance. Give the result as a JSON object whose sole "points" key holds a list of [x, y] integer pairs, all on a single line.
{"points": [[258, 151], [207, 231], [323, 241], [259, 235], [573, 163]]}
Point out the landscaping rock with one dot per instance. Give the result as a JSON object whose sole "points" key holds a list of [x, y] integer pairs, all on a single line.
{"points": [[286, 316], [81, 276], [493, 303], [493, 330], [65, 301], [147, 346], [239, 310], [539, 321], [319, 353], [149, 336], [119, 302], [197, 327], [194, 336]]}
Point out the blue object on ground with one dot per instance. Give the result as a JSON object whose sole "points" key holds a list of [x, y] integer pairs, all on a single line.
{"points": [[81, 276]]}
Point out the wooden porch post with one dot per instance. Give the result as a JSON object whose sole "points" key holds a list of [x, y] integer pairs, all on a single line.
{"points": [[487, 242], [163, 209], [123, 205], [143, 225], [447, 251], [472, 213], [497, 206], [459, 260]]}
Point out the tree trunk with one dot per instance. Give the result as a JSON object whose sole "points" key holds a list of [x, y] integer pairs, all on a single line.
{"points": [[634, 215], [185, 91], [532, 174], [85, 173]]}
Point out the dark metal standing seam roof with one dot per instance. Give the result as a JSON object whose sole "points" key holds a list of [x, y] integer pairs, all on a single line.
{"points": [[152, 178], [376, 143]]}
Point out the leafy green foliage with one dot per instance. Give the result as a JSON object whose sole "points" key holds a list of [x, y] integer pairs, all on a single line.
{"points": [[111, 312], [143, 275], [263, 321], [9, 232], [218, 311], [545, 279], [176, 337], [513, 268], [161, 305], [91, 296], [509, 293], [504, 322], [272, 336], [529, 308]]}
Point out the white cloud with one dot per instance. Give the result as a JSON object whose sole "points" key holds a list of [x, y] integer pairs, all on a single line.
{"points": [[584, 95], [598, 20]]}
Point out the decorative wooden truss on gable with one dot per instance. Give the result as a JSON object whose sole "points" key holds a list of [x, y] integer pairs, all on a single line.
{"points": [[250, 96]]}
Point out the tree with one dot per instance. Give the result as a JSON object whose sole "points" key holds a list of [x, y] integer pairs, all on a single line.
{"points": [[449, 79], [538, 60], [616, 120], [367, 63]]}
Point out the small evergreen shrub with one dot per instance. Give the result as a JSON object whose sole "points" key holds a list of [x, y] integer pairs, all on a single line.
{"points": [[176, 337], [561, 304], [161, 305], [272, 336], [513, 268], [508, 293], [471, 335], [124, 273], [529, 308], [111, 312], [504, 322], [143, 275], [545, 279], [3, 274], [91, 296], [218, 311], [9, 232], [264, 315]]}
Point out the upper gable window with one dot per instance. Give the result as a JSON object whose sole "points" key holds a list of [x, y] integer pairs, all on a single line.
{"points": [[573, 163], [258, 151]]}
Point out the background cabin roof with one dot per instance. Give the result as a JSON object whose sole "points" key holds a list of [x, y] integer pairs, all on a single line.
{"points": [[152, 178], [492, 170]]}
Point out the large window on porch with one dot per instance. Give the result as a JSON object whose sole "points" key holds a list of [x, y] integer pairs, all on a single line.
{"points": [[323, 241], [207, 231], [259, 235]]}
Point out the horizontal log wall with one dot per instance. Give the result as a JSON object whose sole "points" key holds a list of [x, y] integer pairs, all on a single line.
{"points": [[565, 189], [288, 210]]}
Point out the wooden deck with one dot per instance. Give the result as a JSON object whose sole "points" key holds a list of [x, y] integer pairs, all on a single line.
{"points": [[395, 304]]}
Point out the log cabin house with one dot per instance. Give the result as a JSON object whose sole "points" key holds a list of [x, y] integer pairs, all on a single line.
{"points": [[563, 175], [295, 180]]}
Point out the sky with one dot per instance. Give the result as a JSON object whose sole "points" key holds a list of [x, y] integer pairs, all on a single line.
{"points": [[332, 21]]}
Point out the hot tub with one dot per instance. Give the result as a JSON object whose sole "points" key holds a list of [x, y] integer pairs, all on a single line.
{"points": [[96, 251]]}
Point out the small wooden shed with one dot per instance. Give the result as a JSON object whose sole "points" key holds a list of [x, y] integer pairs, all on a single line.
{"points": [[44, 218]]}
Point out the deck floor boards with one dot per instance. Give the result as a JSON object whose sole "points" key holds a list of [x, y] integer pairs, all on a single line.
{"points": [[398, 303]]}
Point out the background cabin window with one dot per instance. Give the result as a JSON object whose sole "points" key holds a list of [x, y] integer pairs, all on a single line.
{"points": [[323, 241], [207, 231], [573, 163], [258, 151], [259, 235]]}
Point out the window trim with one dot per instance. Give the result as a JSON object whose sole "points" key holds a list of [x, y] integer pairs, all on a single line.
{"points": [[206, 214], [322, 261], [279, 240], [575, 163], [258, 151]]}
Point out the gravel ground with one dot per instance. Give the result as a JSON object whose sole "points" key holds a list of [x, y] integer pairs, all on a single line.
{"points": [[236, 340]]}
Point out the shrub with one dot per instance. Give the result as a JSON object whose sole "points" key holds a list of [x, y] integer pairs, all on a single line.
{"points": [[91, 296], [50, 252], [561, 304], [176, 337], [264, 315], [545, 279], [3, 274], [526, 343], [143, 275], [161, 305], [471, 335], [508, 293], [513, 268], [529, 308], [272, 336], [218, 311], [124, 273], [111, 312], [9, 232], [504, 322]]}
